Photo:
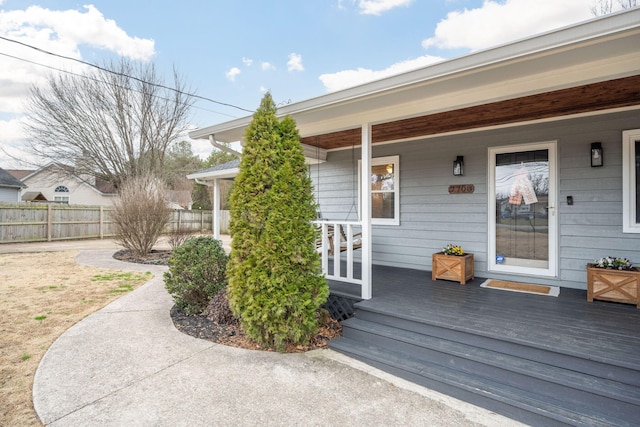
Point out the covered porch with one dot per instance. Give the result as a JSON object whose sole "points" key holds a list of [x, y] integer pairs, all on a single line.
{"points": [[538, 359]]}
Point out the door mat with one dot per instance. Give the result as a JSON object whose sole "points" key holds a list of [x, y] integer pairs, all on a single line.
{"points": [[527, 288]]}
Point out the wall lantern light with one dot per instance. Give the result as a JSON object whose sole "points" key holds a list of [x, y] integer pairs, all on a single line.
{"points": [[596, 154], [458, 166]]}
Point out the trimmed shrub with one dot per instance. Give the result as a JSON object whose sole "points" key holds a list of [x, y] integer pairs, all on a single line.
{"points": [[275, 283], [197, 272]]}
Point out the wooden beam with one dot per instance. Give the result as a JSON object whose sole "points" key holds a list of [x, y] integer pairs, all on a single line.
{"points": [[327, 141], [600, 96]]}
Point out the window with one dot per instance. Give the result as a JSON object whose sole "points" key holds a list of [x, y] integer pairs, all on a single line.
{"points": [[631, 181], [385, 190], [61, 195]]}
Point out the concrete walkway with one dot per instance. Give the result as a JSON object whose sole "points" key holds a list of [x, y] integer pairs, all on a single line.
{"points": [[126, 365]]}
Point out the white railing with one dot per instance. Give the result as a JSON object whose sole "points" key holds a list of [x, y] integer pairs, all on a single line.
{"points": [[336, 246]]}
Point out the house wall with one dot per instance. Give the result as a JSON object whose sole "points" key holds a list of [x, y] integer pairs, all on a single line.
{"points": [[9, 195], [79, 193], [430, 217]]}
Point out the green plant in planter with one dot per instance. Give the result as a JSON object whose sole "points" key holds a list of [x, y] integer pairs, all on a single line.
{"points": [[613, 263]]}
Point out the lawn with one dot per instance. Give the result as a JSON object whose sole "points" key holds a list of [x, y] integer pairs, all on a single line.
{"points": [[41, 296]]}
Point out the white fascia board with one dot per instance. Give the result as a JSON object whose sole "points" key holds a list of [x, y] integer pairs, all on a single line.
{"points": [[231, 131], [219, 174]]}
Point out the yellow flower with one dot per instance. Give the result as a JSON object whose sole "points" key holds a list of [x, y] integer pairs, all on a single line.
{"points": [[452, 249]]}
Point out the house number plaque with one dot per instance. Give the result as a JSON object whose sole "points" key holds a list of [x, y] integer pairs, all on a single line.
{"points": [[461, 189]]}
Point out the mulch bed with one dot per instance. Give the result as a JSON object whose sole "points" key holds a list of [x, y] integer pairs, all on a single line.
{"points": [[155, 257], [231, 333]]}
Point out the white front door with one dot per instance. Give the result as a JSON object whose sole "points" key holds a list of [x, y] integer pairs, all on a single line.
{"points": [[522, 214]]}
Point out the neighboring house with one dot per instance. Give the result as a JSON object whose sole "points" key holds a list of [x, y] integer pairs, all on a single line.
{"points": [[10, 187], [527, 155], [57, 183]]}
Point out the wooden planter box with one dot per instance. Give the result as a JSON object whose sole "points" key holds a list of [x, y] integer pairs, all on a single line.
{"points": [[613, 285], [458, 268]]}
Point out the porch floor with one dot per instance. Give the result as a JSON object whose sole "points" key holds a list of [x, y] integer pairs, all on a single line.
{"points": [[582, 344], [607, 331]]}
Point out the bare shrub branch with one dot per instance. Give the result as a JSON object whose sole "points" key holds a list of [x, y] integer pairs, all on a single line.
{"points": [[178, 235], [141, 213]]}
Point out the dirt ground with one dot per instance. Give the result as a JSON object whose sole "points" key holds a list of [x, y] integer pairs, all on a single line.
{"points": [[41, 296]]}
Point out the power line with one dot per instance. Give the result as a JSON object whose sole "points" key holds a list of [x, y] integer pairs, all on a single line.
{"points": [[120, 74], [96, 80]]}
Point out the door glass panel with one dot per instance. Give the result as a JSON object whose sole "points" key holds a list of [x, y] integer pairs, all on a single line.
{"points": [[637, 173], [522, 200], [382, 191]]}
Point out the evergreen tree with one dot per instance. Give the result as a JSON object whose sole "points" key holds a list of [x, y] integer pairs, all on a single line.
{"points": [[275, 284]]}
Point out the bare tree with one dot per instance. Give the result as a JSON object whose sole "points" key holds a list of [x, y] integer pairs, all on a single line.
{"points": [[605, 7], [112, 123]]}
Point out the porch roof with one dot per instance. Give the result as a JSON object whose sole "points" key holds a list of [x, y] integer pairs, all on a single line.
{"points": [[522, 81], [225, 170]]}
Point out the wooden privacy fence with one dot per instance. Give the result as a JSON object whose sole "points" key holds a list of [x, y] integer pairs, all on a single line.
{"points": [[48, 222]]}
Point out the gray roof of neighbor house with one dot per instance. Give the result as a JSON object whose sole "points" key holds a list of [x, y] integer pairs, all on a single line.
{"points": [[8, 180]]}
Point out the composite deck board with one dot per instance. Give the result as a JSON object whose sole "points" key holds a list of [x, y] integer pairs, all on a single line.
{"points": [[539, 359], [609, 332]]}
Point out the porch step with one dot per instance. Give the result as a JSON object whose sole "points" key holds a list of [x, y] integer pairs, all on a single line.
{"points": [[527, 383]]}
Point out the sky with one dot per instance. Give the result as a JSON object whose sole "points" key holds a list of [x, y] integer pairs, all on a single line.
{"points": [[233, 51]]}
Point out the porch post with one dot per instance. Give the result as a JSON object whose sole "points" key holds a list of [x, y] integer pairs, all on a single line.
{"points": [[365, 182], [216, 209]]}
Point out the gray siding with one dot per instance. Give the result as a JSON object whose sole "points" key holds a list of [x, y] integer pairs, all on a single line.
{"points": [[430, 217], [9, 195]]}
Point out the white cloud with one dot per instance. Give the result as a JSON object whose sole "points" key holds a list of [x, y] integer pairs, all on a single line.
{"points": [[12, 139], [295, 62], [350, 78], [377, 7], [263, 89], [58, 31], [498, 22], [266, 66], [232, 73], [73, 27], [247, 61]]}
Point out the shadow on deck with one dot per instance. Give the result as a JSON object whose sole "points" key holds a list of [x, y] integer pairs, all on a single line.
{"points": [[538, 359]]}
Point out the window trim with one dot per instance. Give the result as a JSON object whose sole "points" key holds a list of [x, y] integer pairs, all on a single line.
{"points": [[377, 161], [629, 190], [61, 199], [61, 194]]}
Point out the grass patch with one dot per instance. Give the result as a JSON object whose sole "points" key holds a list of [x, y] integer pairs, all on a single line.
{"points": [[40, 317], [120, 276], [25, 357], [122, 289]]}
